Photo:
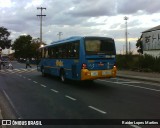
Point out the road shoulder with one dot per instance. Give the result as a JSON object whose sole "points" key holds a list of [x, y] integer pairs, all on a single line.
{"points": [[142, 76], [7, 112]]}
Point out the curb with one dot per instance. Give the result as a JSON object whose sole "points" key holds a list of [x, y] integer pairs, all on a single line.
{"points": [[141, 78]]}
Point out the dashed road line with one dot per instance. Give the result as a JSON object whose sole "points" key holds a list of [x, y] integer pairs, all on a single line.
{"points": [[43, 85], [29, 79], [35, 82], [71, 98], [96, 109], [54, 90]]}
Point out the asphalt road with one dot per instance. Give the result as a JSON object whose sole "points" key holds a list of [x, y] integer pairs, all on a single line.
{"points": [[28, 95]]}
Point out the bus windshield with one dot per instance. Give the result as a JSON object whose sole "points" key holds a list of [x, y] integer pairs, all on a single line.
{"points": [[98, 47]]}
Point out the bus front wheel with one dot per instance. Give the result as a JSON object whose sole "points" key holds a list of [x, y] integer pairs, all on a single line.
{"points": [[62, 75], [43, 72]]}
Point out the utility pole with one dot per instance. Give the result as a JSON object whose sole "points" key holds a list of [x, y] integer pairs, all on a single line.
{"points": [[41, 8], [126, 34], [129, 47], [0, 57], [60, 34], [123, 49]]}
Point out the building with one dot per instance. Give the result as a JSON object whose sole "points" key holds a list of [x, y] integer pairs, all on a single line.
{"points": [[151, 41]]}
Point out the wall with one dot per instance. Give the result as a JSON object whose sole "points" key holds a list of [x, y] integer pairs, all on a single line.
{"points": [[151, 43]]}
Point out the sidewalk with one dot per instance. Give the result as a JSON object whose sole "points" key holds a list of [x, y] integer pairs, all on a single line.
{"points": [[143, 76]]}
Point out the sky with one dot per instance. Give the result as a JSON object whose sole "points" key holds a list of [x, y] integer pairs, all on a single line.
{"points": [[80, 18]]}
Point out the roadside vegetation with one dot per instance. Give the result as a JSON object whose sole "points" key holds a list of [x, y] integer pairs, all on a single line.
{"points": [[25, 46], [141, 63], [5, 42]]}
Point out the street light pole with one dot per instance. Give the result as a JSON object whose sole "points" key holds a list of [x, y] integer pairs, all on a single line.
{"points": [[126, 34]]}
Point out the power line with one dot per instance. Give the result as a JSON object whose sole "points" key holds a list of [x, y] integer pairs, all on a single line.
{"points": [[41, 8]]}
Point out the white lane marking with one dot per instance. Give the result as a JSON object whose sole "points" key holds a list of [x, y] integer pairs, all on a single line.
{"points": [[24, 77], [5, 72], [94, 108], [128, 82], [9, 70], [16, 69], [54, 90], [23, 69], [20, 70], [142, 87], [149, 83], [135, 126], [133, 86], [70, 97], [35, 82], [43, 85], [29, 79], [11, 103]]}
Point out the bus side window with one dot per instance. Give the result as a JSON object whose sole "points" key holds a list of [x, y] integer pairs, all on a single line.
{"points": [[60, 51], [49, 53], [70, 55], [64, 51], [40, 53], [53, 52], [76, 49], [43, 52], [56, 52], [67, 50], [73, 50], [46, 53]]}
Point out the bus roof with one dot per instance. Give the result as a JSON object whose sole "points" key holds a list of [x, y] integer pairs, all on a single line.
{"points": [[73, 38], [67, 39]]}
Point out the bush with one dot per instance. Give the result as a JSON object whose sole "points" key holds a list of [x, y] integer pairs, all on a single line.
{"points": [[145, 63], [126, 61]]}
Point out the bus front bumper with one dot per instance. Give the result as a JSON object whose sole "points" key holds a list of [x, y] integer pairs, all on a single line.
{"points": [[97, 74]]}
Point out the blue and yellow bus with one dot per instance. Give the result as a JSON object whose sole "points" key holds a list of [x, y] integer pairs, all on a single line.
{"points": [[79, 58]]}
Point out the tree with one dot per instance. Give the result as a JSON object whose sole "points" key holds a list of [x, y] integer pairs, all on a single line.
{"points": [[4, 41], [35, 45], [139, 45], [26, 47], [22, 46]]}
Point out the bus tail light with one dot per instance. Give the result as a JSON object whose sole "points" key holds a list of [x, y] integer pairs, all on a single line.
{"points": [[114, 66], [84, 66]]}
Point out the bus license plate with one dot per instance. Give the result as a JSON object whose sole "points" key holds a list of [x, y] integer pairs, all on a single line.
{"points": [[106, 73], [94, 73]]}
